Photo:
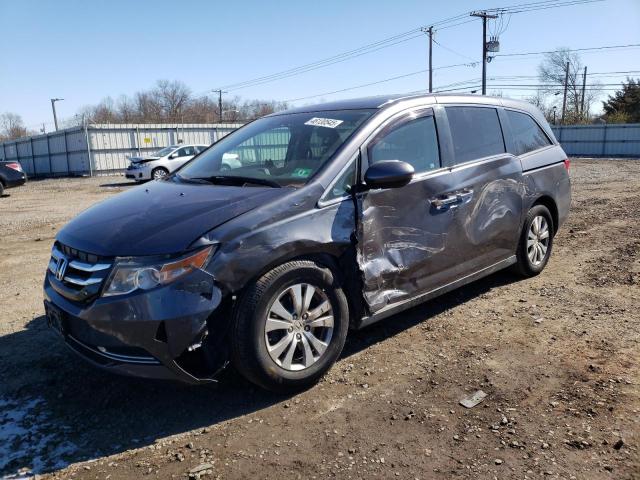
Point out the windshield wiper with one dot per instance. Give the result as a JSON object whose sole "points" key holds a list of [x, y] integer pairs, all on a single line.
{"points": [[236, 180]]}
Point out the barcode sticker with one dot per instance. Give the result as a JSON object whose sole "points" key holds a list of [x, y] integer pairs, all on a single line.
{"points": [[323, 122]]}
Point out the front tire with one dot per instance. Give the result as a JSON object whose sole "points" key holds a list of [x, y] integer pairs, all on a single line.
{"points": [[536, 242], [159, 173], [289, 327]]}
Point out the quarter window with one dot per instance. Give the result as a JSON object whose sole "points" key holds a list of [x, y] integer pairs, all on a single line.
{"points": [[343, 185], [414, 142], [475, 131], [527, 134]]}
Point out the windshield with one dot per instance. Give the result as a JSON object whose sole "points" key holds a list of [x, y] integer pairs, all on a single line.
{"points": [[281, 150], [165, 151]]}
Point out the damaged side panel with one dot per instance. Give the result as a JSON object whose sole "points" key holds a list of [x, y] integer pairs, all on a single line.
{"points": [[279, 235], [411, 244]]}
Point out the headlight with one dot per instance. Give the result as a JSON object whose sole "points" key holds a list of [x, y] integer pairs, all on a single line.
{"points": [[130, 275]]}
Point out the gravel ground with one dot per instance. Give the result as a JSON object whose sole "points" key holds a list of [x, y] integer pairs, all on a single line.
{"points": [[558, 356]]}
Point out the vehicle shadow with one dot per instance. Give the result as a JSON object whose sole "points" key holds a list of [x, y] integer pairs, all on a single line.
{"points": [[72, 412], [119, 184]]}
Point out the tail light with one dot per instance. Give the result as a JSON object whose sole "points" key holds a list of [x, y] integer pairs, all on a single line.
{"points": [[567, 164], [15, 166]]}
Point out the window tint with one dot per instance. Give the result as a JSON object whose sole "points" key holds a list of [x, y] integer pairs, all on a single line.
{"points": [[475, 132], [527, 135], [414, 142], [344, 183]]}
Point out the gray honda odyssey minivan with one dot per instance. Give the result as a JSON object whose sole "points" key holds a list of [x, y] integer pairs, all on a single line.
{"points": [[335, 216]]}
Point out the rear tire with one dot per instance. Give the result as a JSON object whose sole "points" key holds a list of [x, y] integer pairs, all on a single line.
{"points": [[536, 242], [1, 189], [283, 344]]}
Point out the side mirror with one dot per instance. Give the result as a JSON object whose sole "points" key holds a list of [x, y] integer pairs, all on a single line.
{"points": [[172, 156], [389, 174]]}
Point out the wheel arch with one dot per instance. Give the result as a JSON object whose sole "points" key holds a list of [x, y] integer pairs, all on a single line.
{"points": [[343, 266], [551, 205]]}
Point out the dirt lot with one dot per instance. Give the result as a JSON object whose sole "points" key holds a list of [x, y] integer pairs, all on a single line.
{"points": [[558, 356]]}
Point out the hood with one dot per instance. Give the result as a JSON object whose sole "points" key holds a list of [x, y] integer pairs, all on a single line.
{"points": [[148, 158], [160, 217]]}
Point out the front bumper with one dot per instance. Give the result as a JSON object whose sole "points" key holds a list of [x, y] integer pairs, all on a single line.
{"points": [[139, 174], [143, 334]]}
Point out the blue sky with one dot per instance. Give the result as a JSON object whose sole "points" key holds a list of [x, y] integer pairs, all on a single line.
{"points": [[84, 51]]}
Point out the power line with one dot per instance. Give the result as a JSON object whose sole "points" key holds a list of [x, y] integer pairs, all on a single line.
{"points": [[506, 86], [418, 72], [453, 51], [331, 60], [535, 6], [387, 42], [298, 72], [570, 50]]}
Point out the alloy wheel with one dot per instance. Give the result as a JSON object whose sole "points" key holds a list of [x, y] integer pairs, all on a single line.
{"points": [[159, 174], [299, 326], [538, 240]]}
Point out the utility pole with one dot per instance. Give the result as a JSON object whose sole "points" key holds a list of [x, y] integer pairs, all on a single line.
{"points": [[429, 31], [564, 98], [484, 16], [584, 88], [53, 107], [219, 92]]}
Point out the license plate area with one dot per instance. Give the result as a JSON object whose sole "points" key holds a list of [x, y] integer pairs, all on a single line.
{"points": [[56, 319]]}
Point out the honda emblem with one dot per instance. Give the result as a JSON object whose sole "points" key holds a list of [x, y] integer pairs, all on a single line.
{"points": [[61, 268]]}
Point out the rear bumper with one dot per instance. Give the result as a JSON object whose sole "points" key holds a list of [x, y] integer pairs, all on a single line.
{"points": [[144, 334], [16, 181]]}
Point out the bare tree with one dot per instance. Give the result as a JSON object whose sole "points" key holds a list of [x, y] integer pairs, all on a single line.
{"points": [[148, 108], [173, 97], [12, 126], [126, 110], [551, 72], [172, 101]]}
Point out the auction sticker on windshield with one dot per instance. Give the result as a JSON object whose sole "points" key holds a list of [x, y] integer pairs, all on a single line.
{"points": [[323, 122]]}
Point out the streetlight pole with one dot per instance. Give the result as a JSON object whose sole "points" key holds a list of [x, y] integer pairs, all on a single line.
{"points": [[53, 107]]}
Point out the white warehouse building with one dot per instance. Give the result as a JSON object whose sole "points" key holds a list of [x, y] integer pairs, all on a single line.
{"points": [[102, 148]]}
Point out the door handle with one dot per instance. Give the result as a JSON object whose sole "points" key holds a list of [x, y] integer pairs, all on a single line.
{"points": [[465, 195], [441, 203], [452, 199]]}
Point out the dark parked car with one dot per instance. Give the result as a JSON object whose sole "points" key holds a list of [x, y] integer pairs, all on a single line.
{"points": [[337, 216], [11, 175]]}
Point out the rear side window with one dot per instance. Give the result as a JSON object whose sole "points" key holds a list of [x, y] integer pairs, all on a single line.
{"points": [[414, 142], [475, 131], [527, 134]]}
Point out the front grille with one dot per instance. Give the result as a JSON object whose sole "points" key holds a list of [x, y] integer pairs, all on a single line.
{"points": [[80, 274]]}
